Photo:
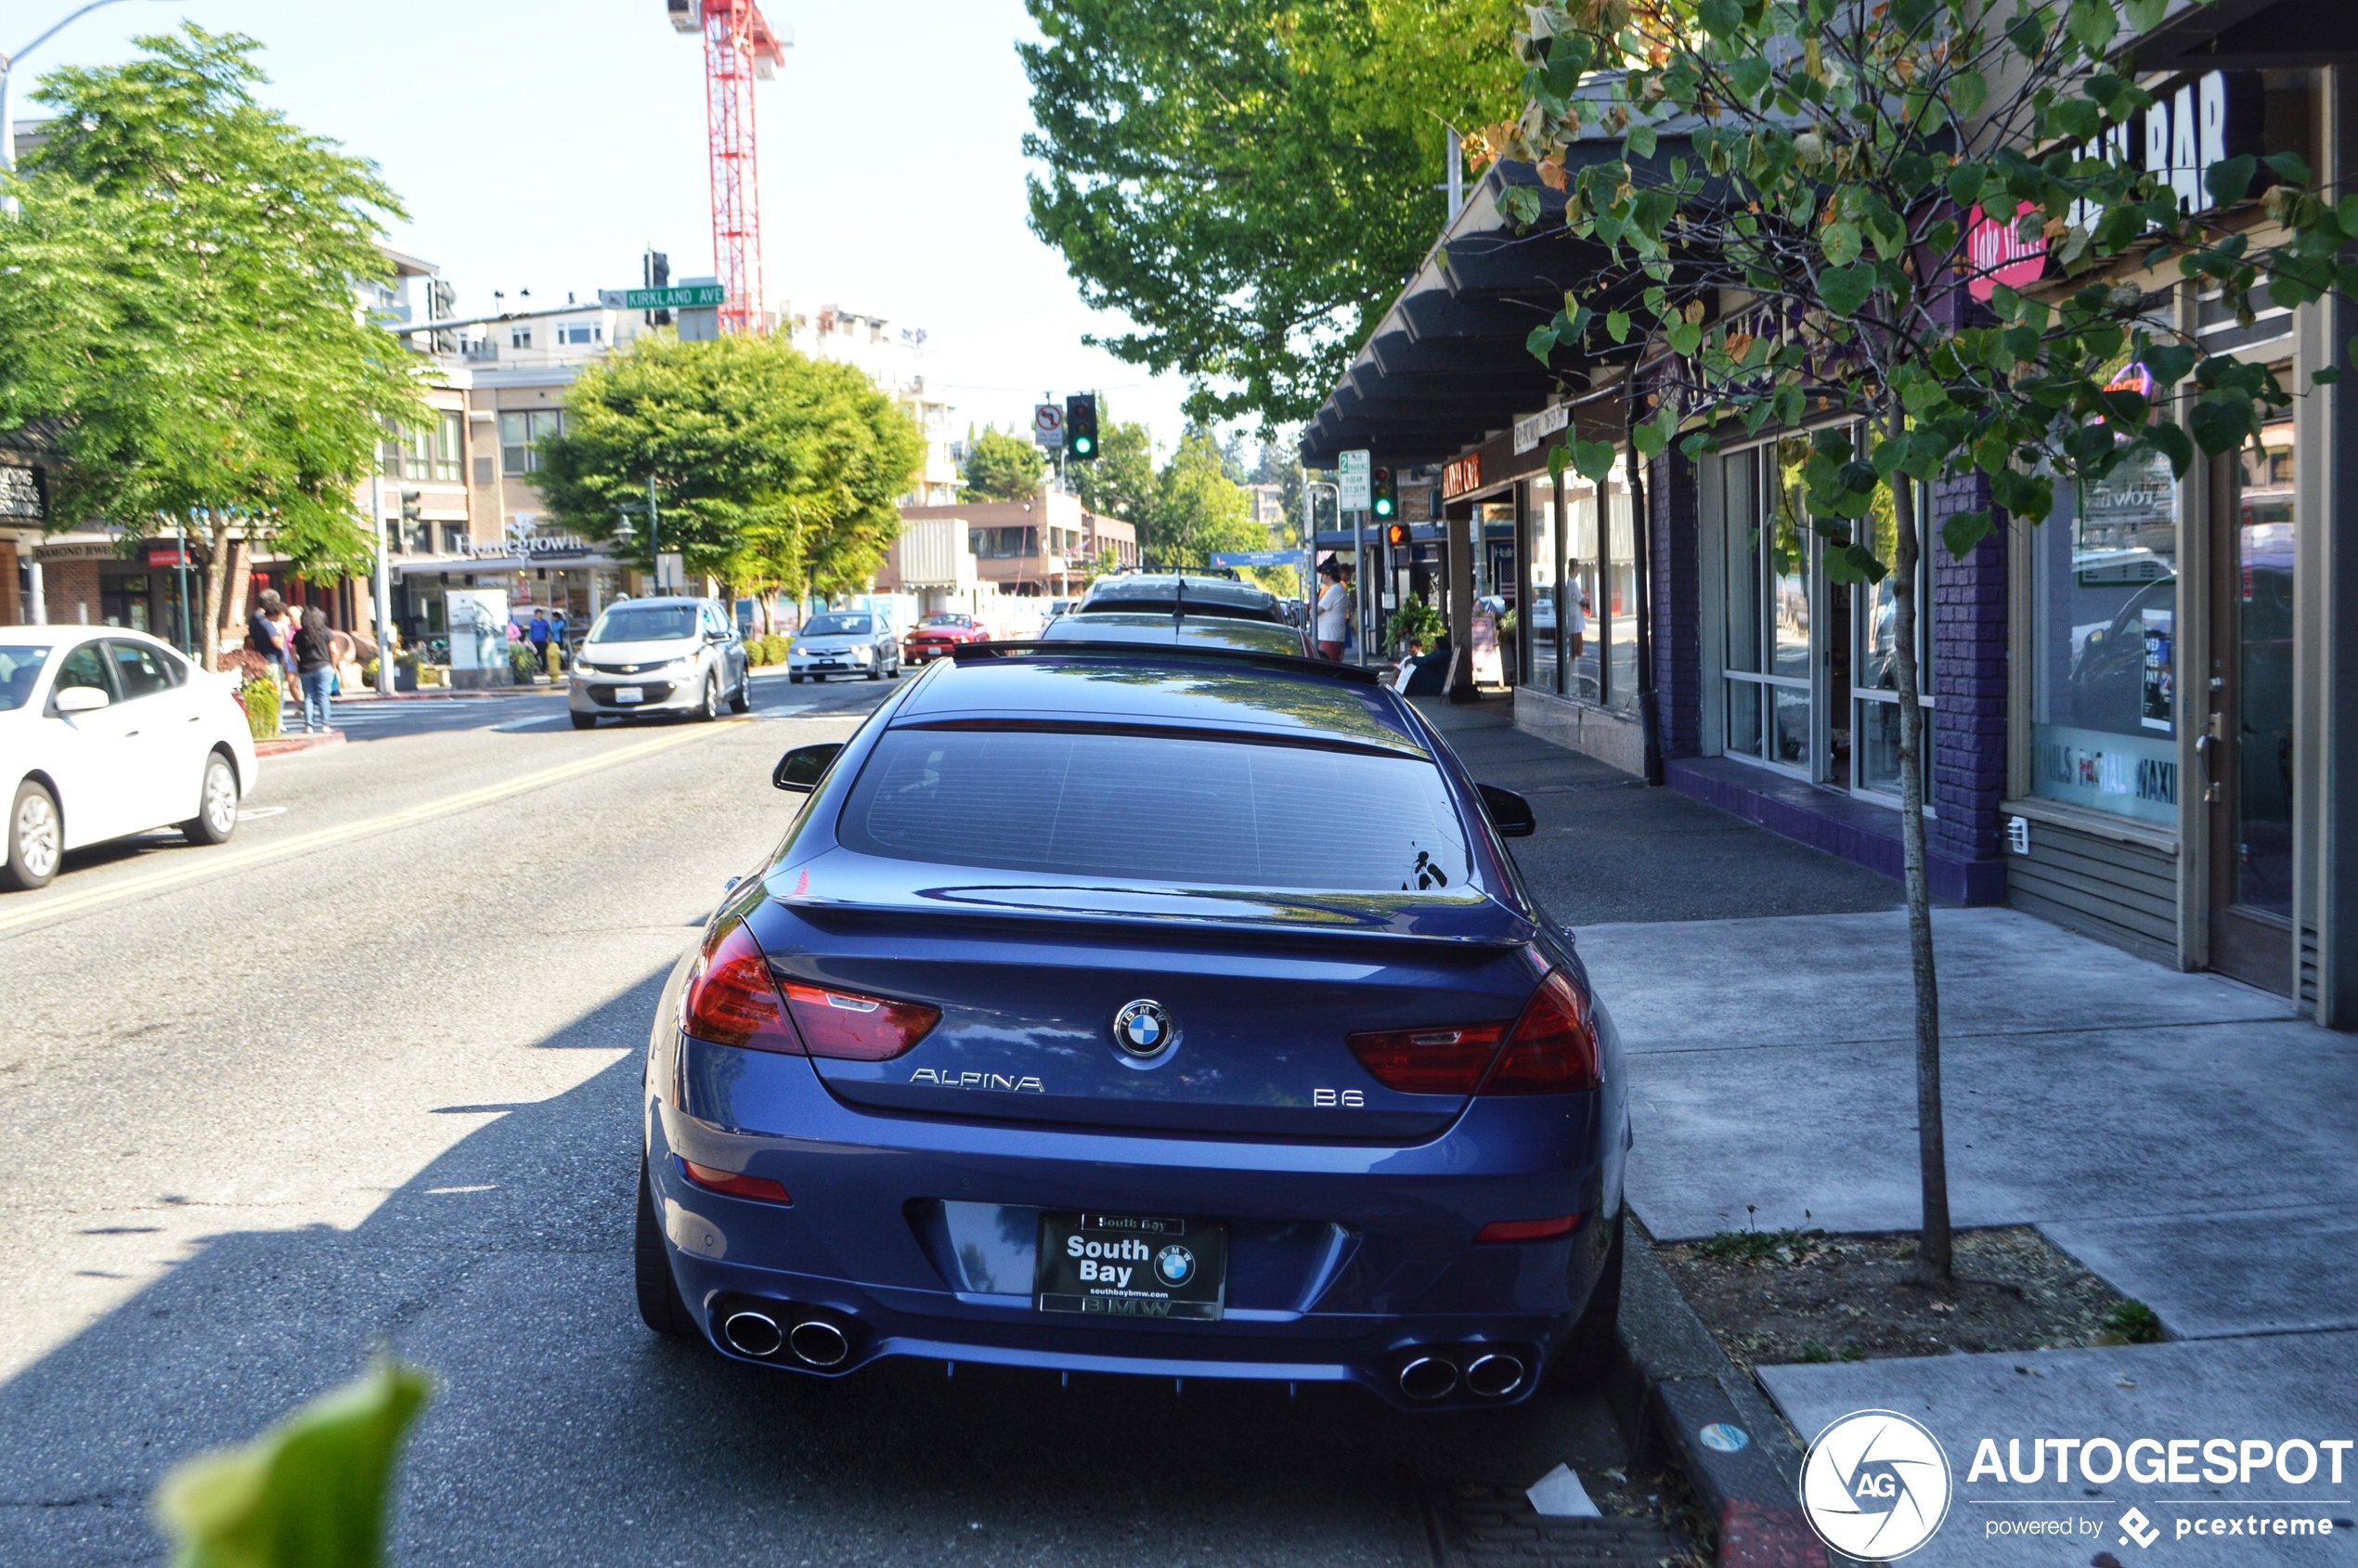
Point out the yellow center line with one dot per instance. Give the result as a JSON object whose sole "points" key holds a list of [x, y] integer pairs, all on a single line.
{"points": [[27, 909]]}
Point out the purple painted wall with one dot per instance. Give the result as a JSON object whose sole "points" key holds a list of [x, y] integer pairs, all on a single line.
{"points": [[1968, 679]]}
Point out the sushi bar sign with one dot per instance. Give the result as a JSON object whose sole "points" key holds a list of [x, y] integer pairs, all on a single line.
{"points": [[2198, 123]]}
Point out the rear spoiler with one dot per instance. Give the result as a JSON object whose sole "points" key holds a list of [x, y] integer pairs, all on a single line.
{"points": [[1292, 664]]}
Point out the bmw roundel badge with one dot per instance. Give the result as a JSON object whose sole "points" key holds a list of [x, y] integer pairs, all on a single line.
{"points": [[1143, 1028], [1175, 1265]]}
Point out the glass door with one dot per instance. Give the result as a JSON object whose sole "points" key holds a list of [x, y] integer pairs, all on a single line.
{"points": [[1767, 606], [2248, 748]]}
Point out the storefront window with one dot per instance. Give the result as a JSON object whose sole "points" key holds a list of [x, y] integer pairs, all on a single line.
{"points": [[2104, 605], [2264, 616], [1875, 679], [1765, 535], [1541, 621], [1621, 616], [1583, 570]]}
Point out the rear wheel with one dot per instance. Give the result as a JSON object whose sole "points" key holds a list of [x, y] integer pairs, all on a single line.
{"points": [[36, 839], [585, 720], [216, 816], [1588, 1349], [659, 1303]]}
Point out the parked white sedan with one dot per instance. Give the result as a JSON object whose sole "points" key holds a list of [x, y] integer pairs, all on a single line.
{"points": [[106, 732]]}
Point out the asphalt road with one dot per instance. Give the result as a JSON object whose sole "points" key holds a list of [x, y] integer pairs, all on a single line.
{"points": [[366, 1077]]}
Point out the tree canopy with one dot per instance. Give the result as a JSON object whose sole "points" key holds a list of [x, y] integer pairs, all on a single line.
{"points": [[1250, 181], [772, 470], [180, 298], [1004, 467]]}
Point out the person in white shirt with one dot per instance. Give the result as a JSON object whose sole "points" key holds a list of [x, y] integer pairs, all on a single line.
{"points": [[1334, 611]]}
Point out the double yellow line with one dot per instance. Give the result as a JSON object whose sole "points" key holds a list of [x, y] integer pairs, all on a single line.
{"points": [[22, 909]]}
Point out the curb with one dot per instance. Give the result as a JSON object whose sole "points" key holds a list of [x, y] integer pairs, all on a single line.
{"points": [[1669, 1382], [445, 693], [285, 746]]}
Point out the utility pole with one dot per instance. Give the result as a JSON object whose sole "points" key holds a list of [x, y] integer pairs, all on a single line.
{"points": [[655, 545], [187, 623]]}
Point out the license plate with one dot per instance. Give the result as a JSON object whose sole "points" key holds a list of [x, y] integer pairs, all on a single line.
{"points": [[1131, 1265], [629, 693]]}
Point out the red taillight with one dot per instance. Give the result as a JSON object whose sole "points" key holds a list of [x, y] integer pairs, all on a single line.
{"points": [[855, 1028], [1527, 1230], [1552, 1050], [732, 1000], [735, 1184], [1429, 1061]]}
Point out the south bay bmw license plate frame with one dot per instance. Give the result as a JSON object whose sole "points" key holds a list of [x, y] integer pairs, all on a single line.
{"points": [[1083, 1255]]}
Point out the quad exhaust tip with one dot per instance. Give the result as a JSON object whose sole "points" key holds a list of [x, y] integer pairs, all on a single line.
{"points": [[753, 1333], [1428, 1377], [818, 1343], [1494, 1375]]}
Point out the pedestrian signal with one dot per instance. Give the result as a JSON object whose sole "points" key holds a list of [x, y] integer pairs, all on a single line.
{"points": [[1396, 535], [1081, 426]]}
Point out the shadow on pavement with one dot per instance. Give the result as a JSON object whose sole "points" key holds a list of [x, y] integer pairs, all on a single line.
{"points": [[566, 1433]]}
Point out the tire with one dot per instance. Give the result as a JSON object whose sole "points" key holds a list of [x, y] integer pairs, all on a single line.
{"points": [[896, 665], [1588, 1350], [36, 839], [876, 669], [740, 700], [660, 1307], [818, 680], [216, 816], [585, 720], [710, 709], [794, 680]]}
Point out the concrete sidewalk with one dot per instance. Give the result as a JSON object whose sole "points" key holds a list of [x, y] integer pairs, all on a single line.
{"points": [[2182, 1136]]}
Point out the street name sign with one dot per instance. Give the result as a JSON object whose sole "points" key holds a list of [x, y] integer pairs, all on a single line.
{"points": [[1355, 479], [1259, 558], [686, 296]]}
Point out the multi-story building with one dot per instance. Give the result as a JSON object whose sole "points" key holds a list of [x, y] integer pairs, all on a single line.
{"points": [[1049, 546], [894, 359]]}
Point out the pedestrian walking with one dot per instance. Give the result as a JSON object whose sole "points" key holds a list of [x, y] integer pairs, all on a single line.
{"points": [[538, 634], [557, 637], [1334, 611], [288, 621], [316, 663], [267, 633]]}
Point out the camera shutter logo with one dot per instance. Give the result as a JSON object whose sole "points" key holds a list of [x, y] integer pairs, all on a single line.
{"points": [[1875, 1485]]}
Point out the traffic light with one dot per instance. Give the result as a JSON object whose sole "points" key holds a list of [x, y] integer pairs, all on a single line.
{"points": [[1397, 535], [1385, 494], [1080, 427], [410, 510]]}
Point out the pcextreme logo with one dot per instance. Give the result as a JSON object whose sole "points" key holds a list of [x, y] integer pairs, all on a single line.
{"points": [[1875, 1485]]}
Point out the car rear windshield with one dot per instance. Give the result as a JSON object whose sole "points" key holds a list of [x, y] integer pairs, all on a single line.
{"points": [[1217, 609], [836, 625], [19, 668], [1157, 809], [645, 623]]}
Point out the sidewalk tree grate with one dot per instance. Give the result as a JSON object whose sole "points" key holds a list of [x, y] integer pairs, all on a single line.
{"points": [[1491, 1526]]}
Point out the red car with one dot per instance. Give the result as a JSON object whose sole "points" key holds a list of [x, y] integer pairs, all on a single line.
{"points": [[936, 635]]}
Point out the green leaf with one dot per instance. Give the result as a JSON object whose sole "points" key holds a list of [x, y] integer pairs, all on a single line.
{"points": [[2172, 441], [1854, 563], [1650, 438], [2093, 24], [1749, 76], [1617, 325], [1559, 458], [1788, 404], [1844, 289], [1593, 460], [2220, 423], [2028, 32], [1686, 337], [1698, 445], [1541, 343], [1518, 204], [2230, 177], [1964, 530], [1641, 140], [1965, 182], [1968, 90], [2145, 15], [2291, 167], [2325, 377], [311, 1491], [1842, 243], [1722, 18], [2171, 363]]}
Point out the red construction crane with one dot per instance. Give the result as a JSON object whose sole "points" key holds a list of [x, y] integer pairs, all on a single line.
{"points": [[738, 47]]}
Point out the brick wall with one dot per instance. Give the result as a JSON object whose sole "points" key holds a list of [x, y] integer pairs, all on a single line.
{"points": [[11, 612], [72, 590], [1968, 679]]}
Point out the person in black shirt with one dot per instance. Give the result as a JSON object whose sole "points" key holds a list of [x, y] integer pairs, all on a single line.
{"points": [[315, 657]]}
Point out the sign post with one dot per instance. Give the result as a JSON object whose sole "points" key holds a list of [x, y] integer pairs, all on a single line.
{"points": [[1355, 493]]}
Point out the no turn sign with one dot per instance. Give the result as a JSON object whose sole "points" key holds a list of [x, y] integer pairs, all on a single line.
{"points": [[1048, 424]]}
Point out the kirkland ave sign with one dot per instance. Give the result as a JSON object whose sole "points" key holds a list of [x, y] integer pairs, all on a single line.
{"points": [[691, 296]]}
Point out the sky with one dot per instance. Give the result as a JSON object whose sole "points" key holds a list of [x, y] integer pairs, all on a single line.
{"points": [[545, 144]]}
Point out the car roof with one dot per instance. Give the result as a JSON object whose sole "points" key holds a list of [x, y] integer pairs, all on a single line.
{"points": [[1262, 637], [1203, 687], [665, 600]]}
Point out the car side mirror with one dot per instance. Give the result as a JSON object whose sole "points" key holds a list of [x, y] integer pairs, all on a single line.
{"points": [[1510, 812], [82, 699], [801, 768]]}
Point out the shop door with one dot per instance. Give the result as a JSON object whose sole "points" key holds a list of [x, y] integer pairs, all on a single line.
{"points": [[2247, 746]]}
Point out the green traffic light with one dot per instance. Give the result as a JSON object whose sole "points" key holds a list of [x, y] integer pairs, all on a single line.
{"points": [[1081, 445], [1383, 508]]}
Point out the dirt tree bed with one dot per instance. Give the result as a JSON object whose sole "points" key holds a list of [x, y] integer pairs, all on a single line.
{"points": [[1787, 1296]]}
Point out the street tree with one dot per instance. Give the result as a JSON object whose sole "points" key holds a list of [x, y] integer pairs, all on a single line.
{"points": [[180, 300], [1120, 482], [770, 470], [1004, 467], [1248, 181], [1198, 508], [1842, 151]]}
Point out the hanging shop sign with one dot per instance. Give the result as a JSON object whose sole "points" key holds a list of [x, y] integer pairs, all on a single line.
{"points": [[20, 493], [1535, 428], [1462, 477]]}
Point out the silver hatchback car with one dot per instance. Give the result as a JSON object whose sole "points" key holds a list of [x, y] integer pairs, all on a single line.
{"points": [[660, 655], [844, 643]]}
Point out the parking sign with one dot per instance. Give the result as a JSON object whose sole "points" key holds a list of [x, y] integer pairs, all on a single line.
{"points": [[1354, 478]]}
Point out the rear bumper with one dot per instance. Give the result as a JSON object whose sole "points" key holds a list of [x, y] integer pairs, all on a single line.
{"points": [[911, 1235]]}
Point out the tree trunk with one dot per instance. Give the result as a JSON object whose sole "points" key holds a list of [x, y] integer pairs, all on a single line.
{"points": [[216, 572], [1934, 1255], [233, 608]]}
